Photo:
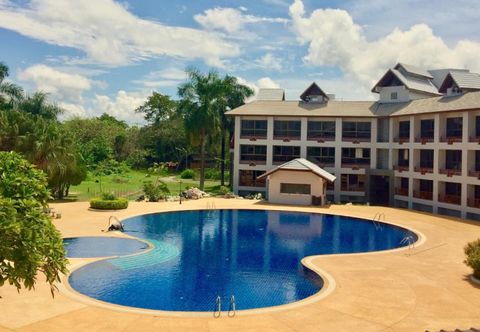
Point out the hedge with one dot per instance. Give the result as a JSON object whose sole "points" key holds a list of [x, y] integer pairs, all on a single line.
{"points": [[472, 251], [115, 204]]}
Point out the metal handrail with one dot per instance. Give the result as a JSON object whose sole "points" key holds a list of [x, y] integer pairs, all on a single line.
{"points": [[218, 310], [377, 218], [233, 307]]}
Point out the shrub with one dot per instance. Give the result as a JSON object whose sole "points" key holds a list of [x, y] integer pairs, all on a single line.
{"points": [[472, 251], [224, 190], [108, 196], [104, 204], [155, 191], [187, 174]]}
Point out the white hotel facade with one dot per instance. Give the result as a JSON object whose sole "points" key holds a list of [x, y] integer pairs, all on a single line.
{"points": [[417, 147]]}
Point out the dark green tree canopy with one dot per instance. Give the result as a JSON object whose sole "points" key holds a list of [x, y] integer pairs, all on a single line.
{"points": [[29, 242], [157, 108]]}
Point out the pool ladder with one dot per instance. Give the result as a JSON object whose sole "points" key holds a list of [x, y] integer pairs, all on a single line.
{"points": [[232, 310], [377, 218]]}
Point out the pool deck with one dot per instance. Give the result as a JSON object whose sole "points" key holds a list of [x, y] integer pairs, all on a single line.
{"points": [[425, 288]]}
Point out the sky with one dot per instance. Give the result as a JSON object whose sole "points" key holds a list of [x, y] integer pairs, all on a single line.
{"points": [[108, 56]]}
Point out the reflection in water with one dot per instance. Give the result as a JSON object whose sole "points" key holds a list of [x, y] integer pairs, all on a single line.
{"points": [[254, 255]]}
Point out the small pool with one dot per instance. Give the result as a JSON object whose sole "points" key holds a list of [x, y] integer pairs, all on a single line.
{"points": [[100, 246], [252, 254]]}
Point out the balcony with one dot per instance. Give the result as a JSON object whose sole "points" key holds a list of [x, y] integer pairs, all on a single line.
{"points": [[254, 161], [423, 170], [320, 139], [401, 168], [401, 191], [474, 202], [450, 199], [428, 195], [401, 140], [451, 139], [474, 139], [356, 140], [355, 164], [353, 188], [424, 140], [450, 172], [474, 173]]}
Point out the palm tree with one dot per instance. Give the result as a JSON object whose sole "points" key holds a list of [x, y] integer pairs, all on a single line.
{"points": [[9, 92], [37, 104], [233, 96], [200, 99]]}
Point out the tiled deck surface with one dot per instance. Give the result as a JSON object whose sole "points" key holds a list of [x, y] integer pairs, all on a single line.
{"points": [[412, 290]]}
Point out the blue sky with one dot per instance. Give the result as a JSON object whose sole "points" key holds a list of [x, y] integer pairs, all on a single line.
{"points": [[107, 56]]}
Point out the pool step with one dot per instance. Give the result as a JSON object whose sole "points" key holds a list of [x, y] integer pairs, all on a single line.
{"points": [[161, 253]]}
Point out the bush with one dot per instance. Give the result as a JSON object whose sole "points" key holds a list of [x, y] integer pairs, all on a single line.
{"points": [[155, 191], [108, 196], [224, 190], [187, 174], [472, 251], [105, 204]]}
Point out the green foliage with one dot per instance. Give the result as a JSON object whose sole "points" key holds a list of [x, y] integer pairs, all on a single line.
{"points": [[157, 108], [29, 242], [109, 204], [108, 196], [10, 93], [155, 191], [37, 104], [224, 190], [187, 174], [472, 251]]}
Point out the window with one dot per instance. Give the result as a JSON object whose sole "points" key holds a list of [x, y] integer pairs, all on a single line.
{"points": [[477, 192], [253, 129], [253, 153], [403, 157], [453, 159], [356, 156], [321, 156], [477, 126], [286, 129], [353, 182], [426, 185], [427, 128], [426, 158], [393, 96], [453, 189], [321, 129], [404, 183], [282, 154], [477, 161], [295, 188], [356, 130], [404, 129], [249, 178], [454, 127]]}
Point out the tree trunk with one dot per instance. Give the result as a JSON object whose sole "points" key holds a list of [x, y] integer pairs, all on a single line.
{"points": [[222, 157], [202, 161]]}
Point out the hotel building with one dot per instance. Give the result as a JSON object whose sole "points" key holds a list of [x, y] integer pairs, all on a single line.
{"points": [[417, 147]]}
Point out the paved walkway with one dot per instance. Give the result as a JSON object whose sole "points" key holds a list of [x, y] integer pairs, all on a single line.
{"points": [[411, 290]]}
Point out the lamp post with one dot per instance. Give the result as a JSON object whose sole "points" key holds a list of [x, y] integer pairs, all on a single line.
{"points": [[180, 192]]}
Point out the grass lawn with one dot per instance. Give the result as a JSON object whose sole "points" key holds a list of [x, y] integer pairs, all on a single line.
{"points": [[130, 185]]}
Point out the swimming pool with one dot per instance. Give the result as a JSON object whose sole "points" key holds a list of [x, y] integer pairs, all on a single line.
{"points": [[101, 246], [252, 254]]}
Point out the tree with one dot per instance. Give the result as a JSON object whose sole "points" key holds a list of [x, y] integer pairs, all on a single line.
{"points": [[29, 242], [157, 108], [233, 96], [9, 92], [199, 105], [37, 104]]}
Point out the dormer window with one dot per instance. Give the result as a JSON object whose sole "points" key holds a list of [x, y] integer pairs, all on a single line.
{"points": [[394, 96], [314, 94]]}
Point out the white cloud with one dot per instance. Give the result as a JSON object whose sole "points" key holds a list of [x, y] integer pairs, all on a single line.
{"points": [[230, 20], [163, 78], [264, 82], [267, 82], [109, 34], [269, 62], [122, 106], [61, 85], [334, 39]]}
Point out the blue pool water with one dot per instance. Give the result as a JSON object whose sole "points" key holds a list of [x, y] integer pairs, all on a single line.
{"points": [[252, 254], [99, 246]]}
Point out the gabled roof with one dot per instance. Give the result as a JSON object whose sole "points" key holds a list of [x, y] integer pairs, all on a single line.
{"points": [[413, 70], [301, 164], [271, 94], [412, 83], [464, 80], [313, 90]]}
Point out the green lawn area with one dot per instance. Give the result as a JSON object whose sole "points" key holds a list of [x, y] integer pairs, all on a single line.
{"points": [[130, 185]]}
